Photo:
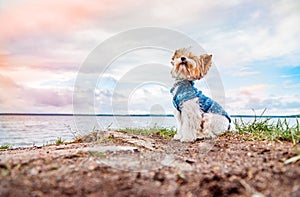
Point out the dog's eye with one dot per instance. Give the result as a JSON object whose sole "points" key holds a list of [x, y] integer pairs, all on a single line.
{"points": [[172, 62]]}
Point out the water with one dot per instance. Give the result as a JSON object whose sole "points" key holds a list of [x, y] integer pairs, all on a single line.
{"points": [[27, 131]]}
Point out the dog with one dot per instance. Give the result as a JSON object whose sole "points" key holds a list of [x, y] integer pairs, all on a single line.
{"points": [[197, 116]]}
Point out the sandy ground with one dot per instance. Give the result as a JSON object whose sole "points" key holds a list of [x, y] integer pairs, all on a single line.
{"points": [[116, 164]]}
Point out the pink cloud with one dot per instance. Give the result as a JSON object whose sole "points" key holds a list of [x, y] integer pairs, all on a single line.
{"points": [[254, 90], [34, 16], [9, 92], [36, 100], [49, 97], [7, 83], [244, 99], [17, 98], [4, 60]]}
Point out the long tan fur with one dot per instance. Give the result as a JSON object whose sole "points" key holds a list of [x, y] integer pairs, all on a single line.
{"points": [[196, 67]]}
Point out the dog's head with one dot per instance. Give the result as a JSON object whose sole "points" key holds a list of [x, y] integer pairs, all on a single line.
{"points": [[189, 66]]}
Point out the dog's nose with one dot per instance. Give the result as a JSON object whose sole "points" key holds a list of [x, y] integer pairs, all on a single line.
{"points": [[183, 58]]}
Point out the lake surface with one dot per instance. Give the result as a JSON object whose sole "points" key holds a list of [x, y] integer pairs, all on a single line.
{"points": [[27, 131]]}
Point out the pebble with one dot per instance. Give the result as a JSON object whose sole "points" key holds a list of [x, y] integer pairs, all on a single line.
{"points": [[34, 171]]}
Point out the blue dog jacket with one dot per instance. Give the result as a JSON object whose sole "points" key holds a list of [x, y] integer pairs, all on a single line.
{"points": [[186, 91]]}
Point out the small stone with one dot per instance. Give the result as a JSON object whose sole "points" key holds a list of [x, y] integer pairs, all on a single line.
{"points": [[72, 166], [92, 167], [34, 172]]}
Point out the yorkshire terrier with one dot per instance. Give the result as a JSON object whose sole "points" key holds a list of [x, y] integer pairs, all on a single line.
{"points": [[198, 116]]}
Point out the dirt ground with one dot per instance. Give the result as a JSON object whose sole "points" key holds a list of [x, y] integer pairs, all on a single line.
{"points": [[120, 164]]}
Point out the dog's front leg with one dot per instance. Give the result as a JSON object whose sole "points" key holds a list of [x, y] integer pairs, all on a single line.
{"points": [[188, 129], [178, 134], [188, 133], [190, 120]]}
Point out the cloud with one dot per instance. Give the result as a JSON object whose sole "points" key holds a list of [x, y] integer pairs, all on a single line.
{"points": [[166, 13], [9, 90], [33, 16], [258, 97], [259, 89], [242, 100], [47, 97], [38, 63], [290, 75], [280, 105], [5, 61], [59, 17], [245, 71], [37, 100], [146, 99], [264, 31], [45, 42], [19, 98], [7, 82]]}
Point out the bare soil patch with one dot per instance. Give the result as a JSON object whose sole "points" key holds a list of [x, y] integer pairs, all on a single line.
{"points": [[120, 164]]}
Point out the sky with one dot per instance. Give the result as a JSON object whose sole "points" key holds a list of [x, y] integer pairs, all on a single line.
{"points": [[45, 47]]}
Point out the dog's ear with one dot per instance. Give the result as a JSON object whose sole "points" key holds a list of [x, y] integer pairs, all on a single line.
{"points": [[205, 64], [175, 54]]}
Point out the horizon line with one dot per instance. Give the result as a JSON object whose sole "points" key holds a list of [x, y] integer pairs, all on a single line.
{"points": [[140, 115]]}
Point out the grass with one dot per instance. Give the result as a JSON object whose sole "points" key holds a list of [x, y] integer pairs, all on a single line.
{"points": [[110, 138], [295, 158], [77, 138], [260, 128], [5, 146], [59, 141], [162, 132], [269, 129]]}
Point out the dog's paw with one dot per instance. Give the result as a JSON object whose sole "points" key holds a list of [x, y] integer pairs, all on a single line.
{"points": [[232, 128], [177, 137], [204, 136], [187, 139]]}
